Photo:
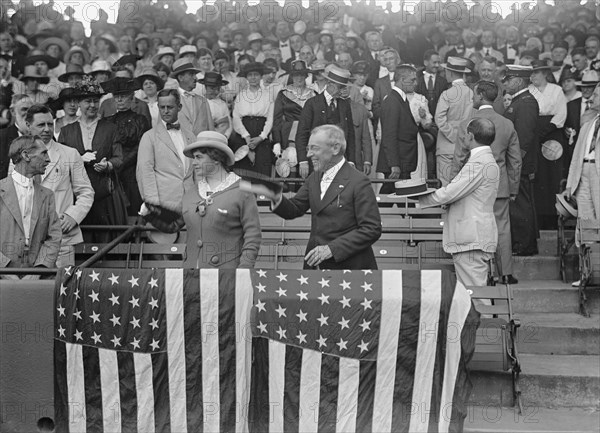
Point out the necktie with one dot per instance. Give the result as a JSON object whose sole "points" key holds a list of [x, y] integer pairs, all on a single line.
{"points": [[588, 104], [487, 52], [430, 83], [175, 126]]}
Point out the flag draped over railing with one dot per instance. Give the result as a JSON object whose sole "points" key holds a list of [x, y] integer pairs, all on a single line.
{"points": [[252, 350]]}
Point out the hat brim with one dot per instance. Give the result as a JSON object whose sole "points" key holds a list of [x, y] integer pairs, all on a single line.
{"points": [[41, 80], [64, 78], [586, 84], [460, 71], [220, 84], [416, 194], [259, 179], [336, 81], [174, 74], [564, 208], [54, 41], [189, 150], [244, 74], [156, 58], [69, 54], [50, 61], [160, 84]]}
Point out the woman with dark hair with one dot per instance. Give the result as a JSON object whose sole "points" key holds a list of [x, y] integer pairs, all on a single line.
{"points": [[150, 84], [99, 145], [164, 73], [223, 229], [67, 101], [252, 122]]}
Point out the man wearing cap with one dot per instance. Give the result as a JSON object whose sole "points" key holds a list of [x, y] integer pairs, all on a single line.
{"points": [[161, 164], [507, 153], [523, 112], [399, 132], [470, 233], [195, 112], [454, 106], [324, 109]]}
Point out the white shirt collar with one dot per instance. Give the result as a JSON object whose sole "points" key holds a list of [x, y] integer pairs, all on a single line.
{"points": [[174, 123], [483, 107], [400, 92], [458, 81], [330, 174], [25, 182], [519, 92], [479, 149], [328, 97]]}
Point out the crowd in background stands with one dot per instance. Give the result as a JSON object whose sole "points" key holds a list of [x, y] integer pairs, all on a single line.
{"points": [[249, 72]]}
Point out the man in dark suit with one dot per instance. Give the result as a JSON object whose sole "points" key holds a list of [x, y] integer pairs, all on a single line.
{"points": [[429, 83], [383, 86], [523, 112], [399, 131], [374, 45], [326, 109], [18, 109], [507, 154], [345, 219]]}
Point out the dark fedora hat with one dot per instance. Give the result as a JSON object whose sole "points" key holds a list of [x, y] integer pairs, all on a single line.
{"points": [[128, 59], [31, 73], [252, 67], [299, 68], [213, 79], [72, 69], [120, 85]]}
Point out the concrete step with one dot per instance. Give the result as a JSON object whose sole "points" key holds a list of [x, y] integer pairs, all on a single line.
{"points": [[547, 243], [549, 381], [493, 419], [550, 296], [558, 334], [536, 267]]}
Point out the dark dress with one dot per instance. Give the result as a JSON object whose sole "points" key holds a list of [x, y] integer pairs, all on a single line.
{"points": [[130, 128], [110, 207]]}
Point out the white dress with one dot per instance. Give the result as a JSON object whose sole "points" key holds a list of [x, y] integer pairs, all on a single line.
{"points": [[552, 102]]}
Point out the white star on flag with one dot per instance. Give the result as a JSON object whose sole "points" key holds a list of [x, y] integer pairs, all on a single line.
{"points": [[61, 331], [76, 293], [135, 343], [281, 292], [116, 341], [303, 296], [324, 283], [322, 341], [301, 337], [95, 317], [68, 270], [342, 344], [366, 304], [61, 310], [365, 325], [153, 303], [345, 285], [78, 273], [135, 323], [344, 323], [302, 316], [77, 314], [262, 327], [324, 299], [63, 290], [363, 346], [114, 299], [134, 302], [97, 338], [262, 273], [303, 280], [346, 271], [261, 288], [281, 332], [116, 320], [154, 344], [133, 281], [366, 286], [260, 306], [345, 302], [280, 311], [94, 296], [367, 271], [154, 324], [114, 279], [153, 283], [78, 335], [94, 276], [281, 277], [323, 320]]}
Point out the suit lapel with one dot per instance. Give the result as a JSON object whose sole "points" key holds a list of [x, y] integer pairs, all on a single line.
{"points": [[35, 208], [9, 195], [335, 188], [54, 159], [165, 137]]}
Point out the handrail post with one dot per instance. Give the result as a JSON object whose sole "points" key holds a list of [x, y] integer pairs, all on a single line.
{"points": [[116, 241]]}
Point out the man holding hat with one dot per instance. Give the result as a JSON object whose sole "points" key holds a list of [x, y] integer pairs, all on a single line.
{"points": [[326, 109], [523, 112], [454, 106], [195, 112]]}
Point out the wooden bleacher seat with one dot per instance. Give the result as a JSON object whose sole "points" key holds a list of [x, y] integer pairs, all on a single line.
{"points": [[565, 240], [134, 255], [496, 338], [588, 236]]}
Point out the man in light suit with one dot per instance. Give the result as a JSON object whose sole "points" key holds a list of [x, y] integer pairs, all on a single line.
{"points": [[195, 112], [454, 106], [30, 230], [161, 164], [470, 232], [66, 177], [507, 153], [345, 219]]}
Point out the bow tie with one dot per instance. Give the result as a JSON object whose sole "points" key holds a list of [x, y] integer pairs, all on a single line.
{"points": [[175, 126], [188, 93], [283, 45]]}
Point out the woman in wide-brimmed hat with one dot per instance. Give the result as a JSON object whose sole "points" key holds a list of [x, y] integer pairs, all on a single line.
{"points": [[253, 121], [150, 84], [553, 113], [68, 102], [78, 56], [568, 81], [288, 107], [223, 229], [106, 48], [99, 144], [213, 83], [30, 85]]}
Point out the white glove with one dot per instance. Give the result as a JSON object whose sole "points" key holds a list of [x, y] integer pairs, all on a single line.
{"points": [[277, 149]]}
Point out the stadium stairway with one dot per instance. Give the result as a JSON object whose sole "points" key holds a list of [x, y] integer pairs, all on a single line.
{"points": [[559, 352]]}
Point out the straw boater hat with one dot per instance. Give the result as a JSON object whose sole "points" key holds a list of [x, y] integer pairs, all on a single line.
{"points": [[163, 51], [213, 79], [337, 75], [408, 188], [212, 139], [588, 79], [31, 73], [142, 37], [183, 65], [110, 39], [566, 208], [100, 66], [61, 43], [76, 49], [188, 49], [457, 64], [150, 74], [72, 69], [254, 37]]}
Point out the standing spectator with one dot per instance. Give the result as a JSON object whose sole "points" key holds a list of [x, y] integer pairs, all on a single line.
{"points": [[18, 109], [32, 80], [65, 176], [454, 106], [150, 84], [326, 109], [488, 41], [398, 151], [13, 53], [30, 234], [510, 52], [98, 142], [282, 32], [78, 56], [255, 47], [488, 71], [363, 148], [143, 49], [507, 154], [374, 45], [253, 121], [69, 105], [592, 48], [470, 232], [195, 113], [580, 60], [430, 83], [164, 55], [106, 48], [130, 128], [213, 82], [108, 103], [161, 165], [523, 112], [390, 59]]}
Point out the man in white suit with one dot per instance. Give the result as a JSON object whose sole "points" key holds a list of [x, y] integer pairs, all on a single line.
{"points": [[161, 164], [470, 232], [65, 176]]}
